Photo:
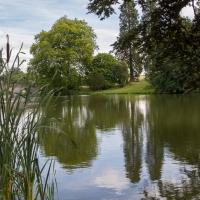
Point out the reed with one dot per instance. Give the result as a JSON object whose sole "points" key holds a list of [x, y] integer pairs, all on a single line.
{"points": [[23, 118]]}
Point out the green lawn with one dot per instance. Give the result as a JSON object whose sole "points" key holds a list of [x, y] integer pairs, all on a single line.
{"points": [[141, 87]]}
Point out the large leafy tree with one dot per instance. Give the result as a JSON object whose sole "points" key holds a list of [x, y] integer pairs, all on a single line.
{"points": [[165, 29], [170, 73], [61, 54], [129, 52]]}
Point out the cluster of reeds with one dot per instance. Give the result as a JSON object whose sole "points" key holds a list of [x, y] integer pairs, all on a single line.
{"points": [[23, 117]]}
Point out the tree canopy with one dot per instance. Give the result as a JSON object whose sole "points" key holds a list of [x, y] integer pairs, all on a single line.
{"points": [[61, 54], [129, 52]]}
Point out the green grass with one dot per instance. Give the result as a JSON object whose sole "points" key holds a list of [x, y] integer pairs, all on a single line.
{"points": [[141, 87]]}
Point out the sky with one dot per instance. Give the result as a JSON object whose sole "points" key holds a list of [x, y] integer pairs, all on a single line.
{"points": [[23, 19]]}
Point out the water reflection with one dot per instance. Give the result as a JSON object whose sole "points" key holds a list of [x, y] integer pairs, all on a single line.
{"points": [[159, 152], [174, 125], [154, 143], [133, 140], [77, 127], [108, 111]]}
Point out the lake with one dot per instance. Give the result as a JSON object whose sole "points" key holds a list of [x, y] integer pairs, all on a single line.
{"points": [[127, 147]]}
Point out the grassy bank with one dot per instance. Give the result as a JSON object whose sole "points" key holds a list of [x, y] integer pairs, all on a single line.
{"points": [[141, 87]]}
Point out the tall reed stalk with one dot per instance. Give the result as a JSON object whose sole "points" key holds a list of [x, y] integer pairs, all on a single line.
{"points": [[22, 116]]}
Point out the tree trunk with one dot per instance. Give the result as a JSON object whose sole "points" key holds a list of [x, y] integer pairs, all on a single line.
{"points": [[131, 66], [131, 75]]}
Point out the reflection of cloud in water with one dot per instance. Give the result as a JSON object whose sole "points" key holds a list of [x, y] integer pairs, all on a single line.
{"points": [[142, 105], [112, 178]]}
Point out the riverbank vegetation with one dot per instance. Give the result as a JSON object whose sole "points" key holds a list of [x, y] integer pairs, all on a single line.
{"points": [[161, 42], [167, 41], [23, 119]]}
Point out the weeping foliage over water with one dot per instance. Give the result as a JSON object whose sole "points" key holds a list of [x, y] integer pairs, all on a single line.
{"points": [[128, 147]]}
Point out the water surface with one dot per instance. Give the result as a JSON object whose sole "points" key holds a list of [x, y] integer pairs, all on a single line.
{"points": [[127, 147]]}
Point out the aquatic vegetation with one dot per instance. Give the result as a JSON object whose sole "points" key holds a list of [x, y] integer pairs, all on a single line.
{"points": [[24, 116]]}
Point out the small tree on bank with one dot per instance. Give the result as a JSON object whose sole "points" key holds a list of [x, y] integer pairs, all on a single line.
{"points": [[111, 69]]}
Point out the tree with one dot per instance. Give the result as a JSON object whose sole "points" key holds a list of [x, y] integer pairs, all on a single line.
{"points": [[165, 29], [61, 54], [170, 49], [18, 75], [129, 53], [167, 74], [106, 65], [121, 73], [104, 9]]}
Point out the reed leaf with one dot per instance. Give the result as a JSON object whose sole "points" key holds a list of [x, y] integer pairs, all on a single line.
{"points": [[22, 120]]}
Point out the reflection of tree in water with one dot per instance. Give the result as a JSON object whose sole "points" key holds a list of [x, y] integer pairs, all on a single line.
{"points": [[133, 132], [133, 139], [185, 189], [108, 111], [154, 145], [180, 124], [175, 122], [79, 127]]}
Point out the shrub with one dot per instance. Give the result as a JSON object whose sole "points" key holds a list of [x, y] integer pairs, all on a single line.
{"points": [[96, 82]]}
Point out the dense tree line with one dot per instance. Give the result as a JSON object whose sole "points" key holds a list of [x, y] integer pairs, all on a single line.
{"points": [[161, 41], [167, 41]]}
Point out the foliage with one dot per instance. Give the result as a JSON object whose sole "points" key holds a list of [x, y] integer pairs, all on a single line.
{"points": [[103, 63], [61, 54], [162, 27], [129, 53], [96, 81], [120, 73], [21, 119], [17, 75], [175, 73], [106, 65], [102, 7]]}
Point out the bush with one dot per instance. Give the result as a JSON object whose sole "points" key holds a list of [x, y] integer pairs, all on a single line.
{"points": [[96, 82], [107, 85], [121, 85]]}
